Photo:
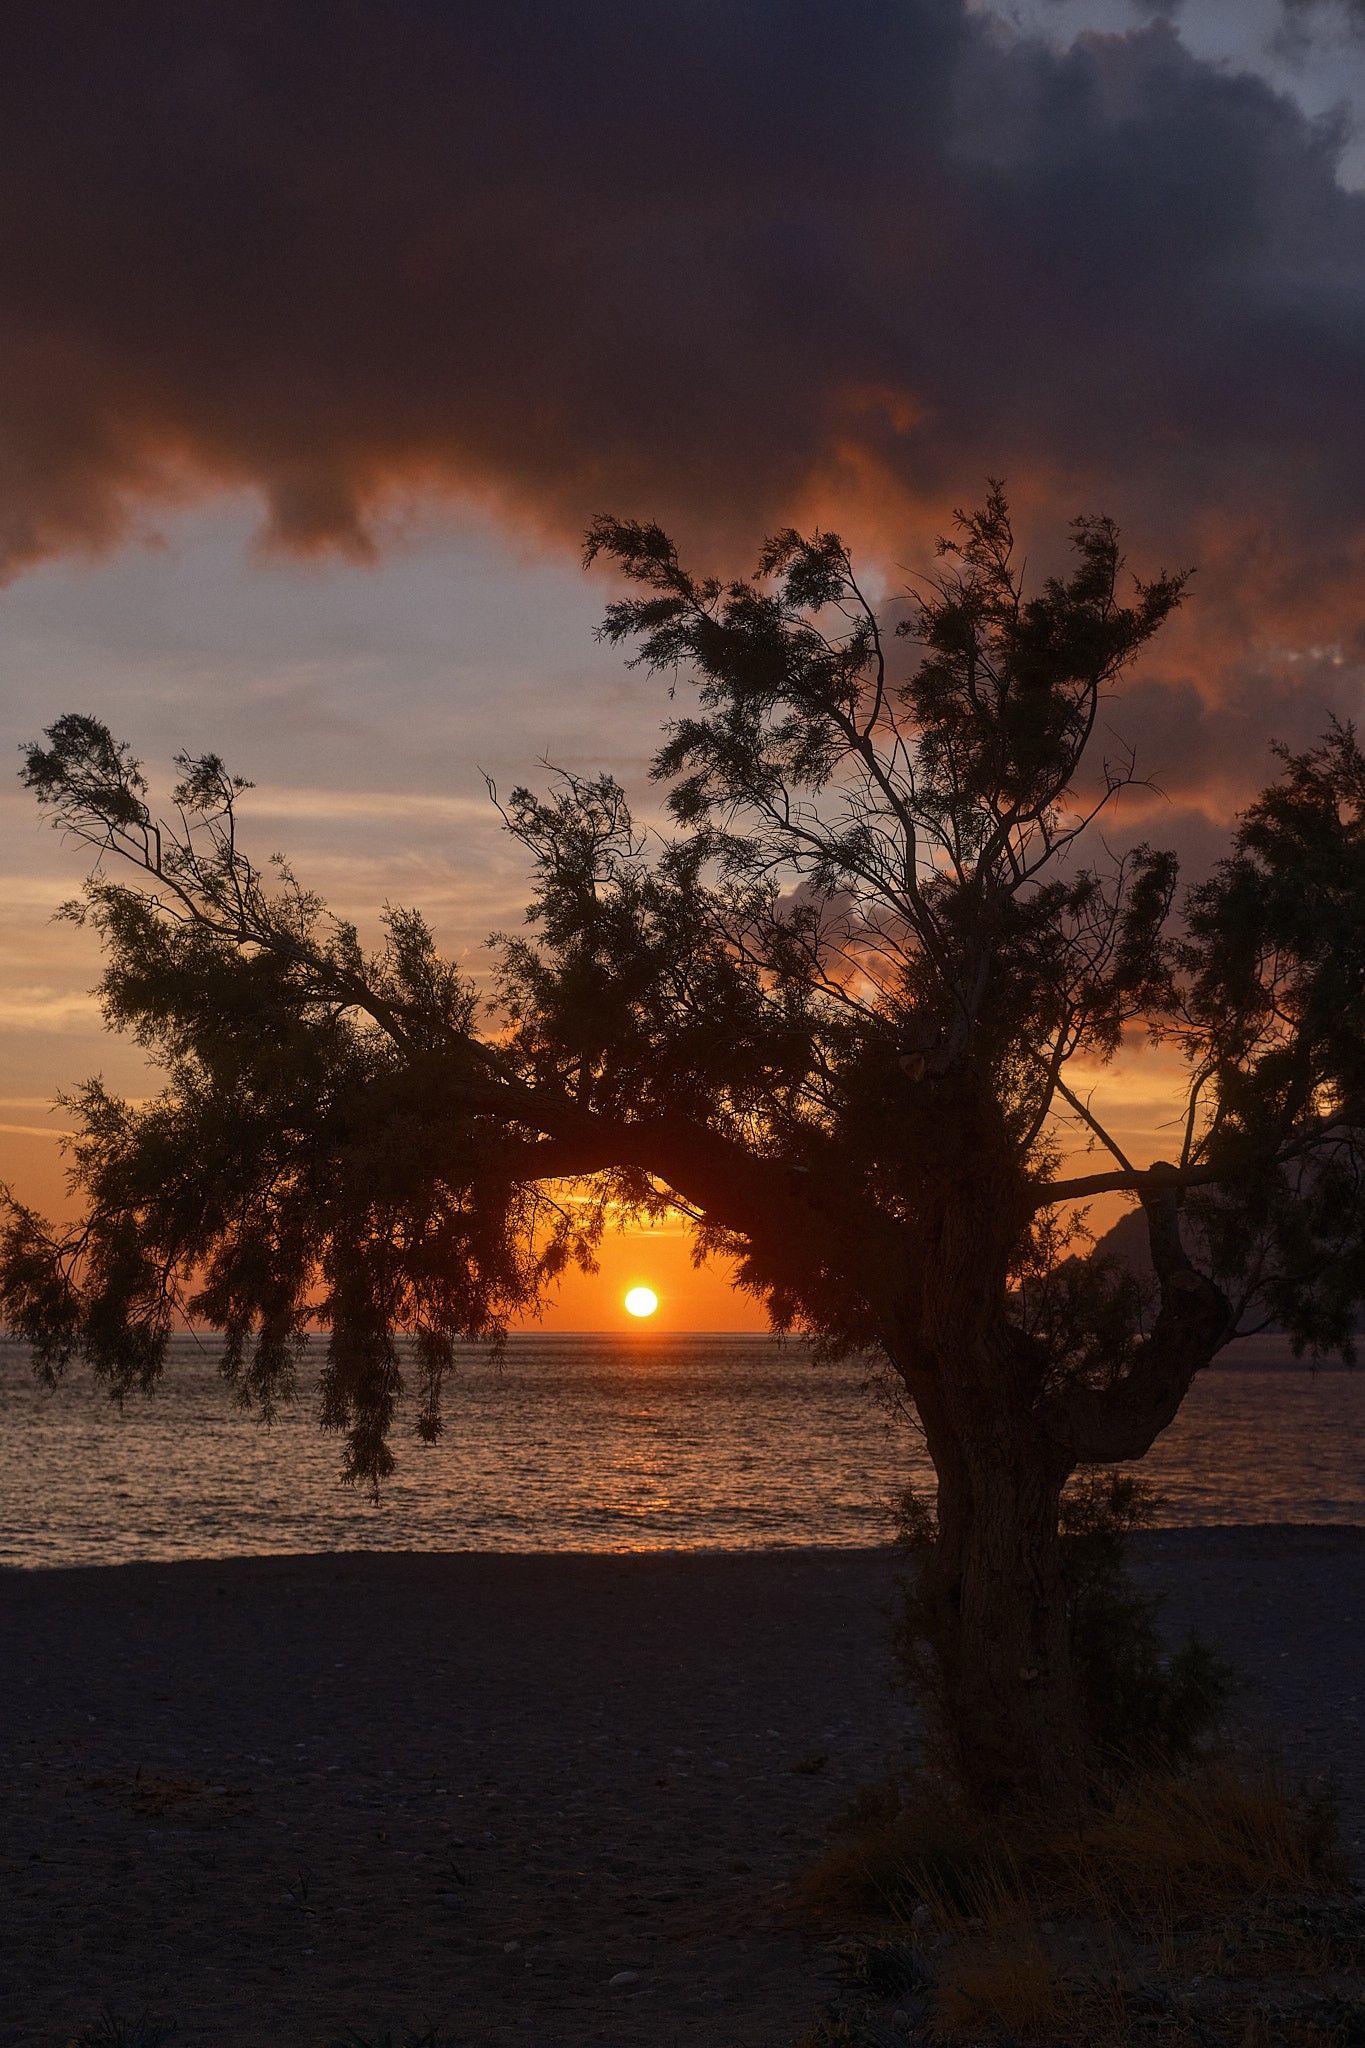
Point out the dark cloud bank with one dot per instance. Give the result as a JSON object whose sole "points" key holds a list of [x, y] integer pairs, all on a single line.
{"points": [[717, 263]]}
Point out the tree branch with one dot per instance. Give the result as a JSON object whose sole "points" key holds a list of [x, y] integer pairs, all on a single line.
{"points": [[1135, 1181], [1100, 1425], [1083, 1111]]}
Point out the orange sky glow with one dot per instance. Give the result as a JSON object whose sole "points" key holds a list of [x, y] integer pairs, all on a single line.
{"points": [[309, 490], [364, 703]]}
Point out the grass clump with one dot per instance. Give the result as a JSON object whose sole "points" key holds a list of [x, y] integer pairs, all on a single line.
{"points": [[1168, 1846], [1159, 1847], [1090, 1930], [432, 2038], [115, 2030]]}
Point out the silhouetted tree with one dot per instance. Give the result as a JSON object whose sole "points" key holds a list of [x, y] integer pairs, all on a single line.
{"points": [[831, 1021]]}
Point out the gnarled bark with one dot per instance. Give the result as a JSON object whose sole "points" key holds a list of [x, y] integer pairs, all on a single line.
{"points": [[992, 1601], [993, 1606]]}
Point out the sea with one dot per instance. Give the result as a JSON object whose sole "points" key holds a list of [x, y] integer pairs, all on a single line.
{"points": [[602, 1442]]}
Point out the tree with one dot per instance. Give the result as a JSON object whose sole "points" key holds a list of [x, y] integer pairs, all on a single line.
{"points": [[833, 1020]]}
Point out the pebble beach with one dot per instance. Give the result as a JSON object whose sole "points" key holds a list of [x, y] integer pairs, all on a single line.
{"points": [[552, 1799]]}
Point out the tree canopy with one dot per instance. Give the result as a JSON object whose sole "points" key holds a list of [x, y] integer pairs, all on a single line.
{"points": [[835, 1019]]}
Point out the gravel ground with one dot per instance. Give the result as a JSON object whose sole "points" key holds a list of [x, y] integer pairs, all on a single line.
{"points": [[276, 1799], [1287, 1607]]}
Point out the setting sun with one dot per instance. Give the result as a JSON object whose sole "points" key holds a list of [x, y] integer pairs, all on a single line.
{"points": [[642, 1301]]}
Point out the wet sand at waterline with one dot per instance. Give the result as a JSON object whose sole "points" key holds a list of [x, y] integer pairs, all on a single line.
{"points": [[276, 1798]]}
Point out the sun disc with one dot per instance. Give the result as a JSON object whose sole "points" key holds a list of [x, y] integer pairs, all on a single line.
{"points": [[642, 1301]]}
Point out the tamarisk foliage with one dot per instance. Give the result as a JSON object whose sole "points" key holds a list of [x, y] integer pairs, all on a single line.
{"points": [[834, 1020]]}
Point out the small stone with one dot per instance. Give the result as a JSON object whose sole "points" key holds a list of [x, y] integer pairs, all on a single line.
{"points": [[922, 1918], [509, 1948], [622, 1978]]}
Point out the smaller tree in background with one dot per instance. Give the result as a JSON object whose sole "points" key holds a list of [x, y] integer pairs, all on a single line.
{"points": [[834, 1021]]}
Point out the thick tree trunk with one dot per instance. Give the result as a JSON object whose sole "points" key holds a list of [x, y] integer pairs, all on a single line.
{"points": [[992, 1600], [994, 1606]]}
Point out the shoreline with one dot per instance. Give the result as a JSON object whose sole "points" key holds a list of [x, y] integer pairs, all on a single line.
{"points": [[274, 1797], [1147, 1546]]}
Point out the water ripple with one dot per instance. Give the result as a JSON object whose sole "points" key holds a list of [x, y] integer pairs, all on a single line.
{"points": [[600, 1443]]}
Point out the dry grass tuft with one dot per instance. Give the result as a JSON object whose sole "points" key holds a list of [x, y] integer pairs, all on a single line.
{"points": [[1170, 1846], [1159, 1848], [1163, 1905], [893, 1868]]}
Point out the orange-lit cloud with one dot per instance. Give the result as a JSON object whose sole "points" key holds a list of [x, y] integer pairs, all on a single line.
{"points": [[695, 262]]}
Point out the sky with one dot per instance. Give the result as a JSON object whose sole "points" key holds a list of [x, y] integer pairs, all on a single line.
{"points": [[325, 330]]}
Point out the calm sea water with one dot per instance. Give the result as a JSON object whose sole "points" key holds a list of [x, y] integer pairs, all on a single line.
{"points": [[601, 1443]]}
